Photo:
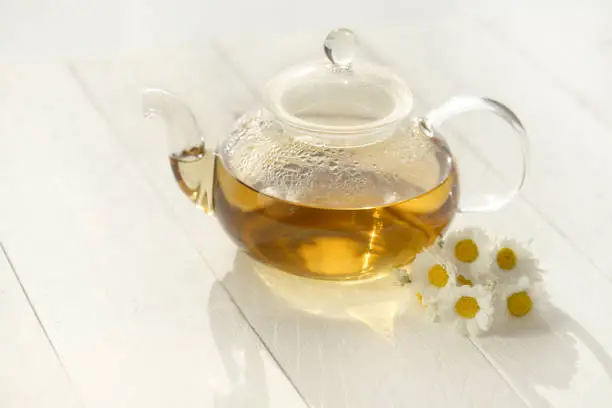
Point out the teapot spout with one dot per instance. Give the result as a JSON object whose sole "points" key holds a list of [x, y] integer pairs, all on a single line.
{"points": [[182, 127], [191, 162]]}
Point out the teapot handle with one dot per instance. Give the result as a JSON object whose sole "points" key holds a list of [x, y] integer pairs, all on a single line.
{"points": [[459, 105]]}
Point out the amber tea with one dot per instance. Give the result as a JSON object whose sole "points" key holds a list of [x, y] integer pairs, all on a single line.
{"points": [[325, 232], [193, 170]]}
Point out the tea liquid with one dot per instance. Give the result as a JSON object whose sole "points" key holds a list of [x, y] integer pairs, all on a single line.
{"points": [[332, 243], [323, 241]]}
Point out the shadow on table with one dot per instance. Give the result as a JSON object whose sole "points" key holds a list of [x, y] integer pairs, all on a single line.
{"points": [[240, 354], [543, 354], [346, 345]]}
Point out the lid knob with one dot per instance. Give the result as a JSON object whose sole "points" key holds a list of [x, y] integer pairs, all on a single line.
{"points": [[339, 46]]}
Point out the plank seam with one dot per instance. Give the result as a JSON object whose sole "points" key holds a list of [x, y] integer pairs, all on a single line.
{"points": [[41, 324]]}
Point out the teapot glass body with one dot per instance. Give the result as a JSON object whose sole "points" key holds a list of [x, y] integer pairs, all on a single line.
{"points": [[331, 179]]}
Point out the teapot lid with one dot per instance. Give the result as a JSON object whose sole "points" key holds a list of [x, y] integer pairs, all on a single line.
{"points": [[340, 98]]}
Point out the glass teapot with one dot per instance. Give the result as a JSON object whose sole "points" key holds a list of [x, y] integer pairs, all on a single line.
{"points": [[331, 178]]}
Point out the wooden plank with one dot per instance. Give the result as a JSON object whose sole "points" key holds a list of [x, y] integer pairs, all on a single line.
{"points": [[132, 309], [30, 373]]}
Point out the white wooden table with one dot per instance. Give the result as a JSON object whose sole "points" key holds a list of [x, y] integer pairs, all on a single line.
{"points": [[116, 292]]}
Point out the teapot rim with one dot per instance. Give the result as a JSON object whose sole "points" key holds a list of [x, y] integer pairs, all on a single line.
{"points": [[376, 77]]}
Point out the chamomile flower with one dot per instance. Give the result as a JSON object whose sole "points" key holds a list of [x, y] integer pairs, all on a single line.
{"points": [[470, 250], [510, 261], [468, 308], [518, 303], [465, 278], [431, 274]]}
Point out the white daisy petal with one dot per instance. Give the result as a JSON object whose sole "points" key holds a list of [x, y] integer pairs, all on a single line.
{"points": [[469, 249], [431, 310], [461, 327], [483, 320], [473, 329], [468, 308], [430, 274], [518, 305], [510, 260]]}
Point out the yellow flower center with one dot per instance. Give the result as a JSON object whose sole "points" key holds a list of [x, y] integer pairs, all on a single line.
{"points": [[462, 280], [519, 304], [467, 307], [420, 298], [438, 276], [466, 250], [506, 259]]}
